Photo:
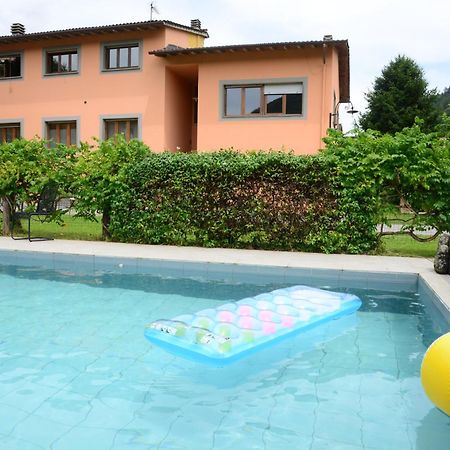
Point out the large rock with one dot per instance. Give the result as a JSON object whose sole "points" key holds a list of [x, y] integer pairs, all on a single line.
{"points": [[442, 258]]}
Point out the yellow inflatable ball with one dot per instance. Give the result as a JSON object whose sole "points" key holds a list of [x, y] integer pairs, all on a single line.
{"points": [[435, 373]]}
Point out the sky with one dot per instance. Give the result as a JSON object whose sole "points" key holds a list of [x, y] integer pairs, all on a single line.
{"points": [[377, 30]]}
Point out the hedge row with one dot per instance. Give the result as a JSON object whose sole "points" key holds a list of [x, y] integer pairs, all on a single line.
{"points": [[274, 201]]}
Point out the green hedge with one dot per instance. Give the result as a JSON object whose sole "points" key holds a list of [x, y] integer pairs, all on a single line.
{"points": [[256, 200]]}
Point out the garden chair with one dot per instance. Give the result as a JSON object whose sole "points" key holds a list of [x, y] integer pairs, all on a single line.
{"points": [[46, 206]]}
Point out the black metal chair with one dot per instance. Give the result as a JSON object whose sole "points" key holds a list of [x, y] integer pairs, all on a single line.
{"points": [[46, 207]]}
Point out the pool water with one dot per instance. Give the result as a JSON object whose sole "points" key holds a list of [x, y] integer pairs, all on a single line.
{"points": [[77, 374]]}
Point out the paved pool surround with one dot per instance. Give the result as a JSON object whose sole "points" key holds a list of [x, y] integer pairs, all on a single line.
{"points": [[230, 264]]}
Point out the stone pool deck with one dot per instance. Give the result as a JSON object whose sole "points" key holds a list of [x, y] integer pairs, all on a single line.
{"points": [[440, 284]]}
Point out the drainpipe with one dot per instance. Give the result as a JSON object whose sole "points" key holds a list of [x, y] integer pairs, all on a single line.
{"points": [[324, 70]]}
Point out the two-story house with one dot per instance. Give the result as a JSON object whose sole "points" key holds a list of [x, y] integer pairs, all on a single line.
{"points": [[157, 82]]}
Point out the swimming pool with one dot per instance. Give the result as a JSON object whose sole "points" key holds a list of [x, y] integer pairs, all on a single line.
{"points": [[77, 373]]}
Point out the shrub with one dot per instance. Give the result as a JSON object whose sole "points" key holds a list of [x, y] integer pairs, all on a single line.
{"points": [[412, 166], [257, 200], [99, 174]]}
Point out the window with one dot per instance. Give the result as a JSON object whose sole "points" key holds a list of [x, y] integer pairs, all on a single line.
{"points": [[121, 56], [10, 66], [62, 132], [127, 127], [61, 61], [9, 132], [264, 100]]}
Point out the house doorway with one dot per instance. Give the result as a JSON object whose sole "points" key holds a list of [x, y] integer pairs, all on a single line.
{"points": [[181, 113]]}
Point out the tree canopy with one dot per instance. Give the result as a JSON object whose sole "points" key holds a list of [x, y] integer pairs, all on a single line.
{"points": [[99, 173], [412, 165], [443, 101], [26, 167], [398, 97]]}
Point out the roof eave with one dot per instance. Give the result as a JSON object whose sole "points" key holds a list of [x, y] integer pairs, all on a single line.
{"points": [[99, 30], [341, 46]]}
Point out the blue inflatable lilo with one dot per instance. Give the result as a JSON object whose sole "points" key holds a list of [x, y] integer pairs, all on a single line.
{"points": [[225, 334]]}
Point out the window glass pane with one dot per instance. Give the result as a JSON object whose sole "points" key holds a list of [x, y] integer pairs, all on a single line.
{"points": [[122, 127], [274, 104], [112, 58], [110, 129], [233, 102], [64, 67], [293, 103], [51, 131], [73, 135], [15, 66], [123, 57], [7, 66], [134, 56], [133, 129], [253, 100], [74, 65], [52, 64], [63, 134], [9, 135]]}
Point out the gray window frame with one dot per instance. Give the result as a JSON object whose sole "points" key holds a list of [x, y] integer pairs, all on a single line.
{"points": [[47, 51], [118, 44], [18, 122], [13, 53], [118, 117], [223, 84], [47, 120]]}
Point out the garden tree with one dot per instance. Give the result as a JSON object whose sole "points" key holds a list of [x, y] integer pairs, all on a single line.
{"points": [[26, 167], [399, 96], [443, 101], [99, 175], [411, 164]]}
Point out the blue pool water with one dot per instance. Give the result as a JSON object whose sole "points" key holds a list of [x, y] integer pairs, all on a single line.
{"points": [[77, 374]]}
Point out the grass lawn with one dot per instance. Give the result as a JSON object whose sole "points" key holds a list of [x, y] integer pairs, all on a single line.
{"points": [[81, 229], [404, 245], [73, 228]]}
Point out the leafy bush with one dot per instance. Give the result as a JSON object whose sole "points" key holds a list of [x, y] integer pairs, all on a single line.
{"points": [[257, 200], [99, 173], [412, 166]]}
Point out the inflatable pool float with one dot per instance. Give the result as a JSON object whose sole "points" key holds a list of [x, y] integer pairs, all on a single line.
{"points": [[233, 330], [435, 373]]}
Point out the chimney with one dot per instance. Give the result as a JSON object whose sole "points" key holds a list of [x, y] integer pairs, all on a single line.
{"points": [[17, 29], [328, 37], [195, 23]]}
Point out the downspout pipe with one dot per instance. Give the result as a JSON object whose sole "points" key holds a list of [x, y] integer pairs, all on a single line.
{"points": [[324, 70]]}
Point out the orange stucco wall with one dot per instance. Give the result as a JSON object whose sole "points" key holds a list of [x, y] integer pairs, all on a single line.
{"points": [[161, 93], [303, 135], [92, 93]]}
